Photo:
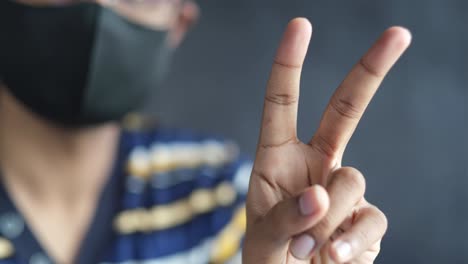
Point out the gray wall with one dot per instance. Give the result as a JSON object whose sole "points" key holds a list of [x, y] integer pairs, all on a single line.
{"points": [[412, 143]]}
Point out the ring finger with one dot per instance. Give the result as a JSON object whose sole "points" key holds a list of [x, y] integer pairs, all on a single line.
{"points": [[346, 189]]}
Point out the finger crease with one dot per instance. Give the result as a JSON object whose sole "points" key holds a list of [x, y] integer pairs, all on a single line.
{"points": [[293, 140], [323, 146], [345, 108], [283, 190], [290, 66], [369, 69], [309, 174], [267, 180], [281, 99]]}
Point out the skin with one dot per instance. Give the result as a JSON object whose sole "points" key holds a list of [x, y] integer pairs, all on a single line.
{"points": [[296, 188], [298, 191], [173, 15], [54, 176], [35, 155]]}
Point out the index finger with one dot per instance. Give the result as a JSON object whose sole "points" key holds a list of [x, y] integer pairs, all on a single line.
{"points": [[350, 100], [282, 94]]}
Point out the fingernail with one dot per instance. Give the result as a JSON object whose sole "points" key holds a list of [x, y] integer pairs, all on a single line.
{"points": [[305, 203], [343, 250], [302, 246]]}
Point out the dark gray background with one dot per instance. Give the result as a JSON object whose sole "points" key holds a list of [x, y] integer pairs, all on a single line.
{"points": [[411, 144]]}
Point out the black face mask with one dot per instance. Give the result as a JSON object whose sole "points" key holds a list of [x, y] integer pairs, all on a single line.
{"points": [[78, 65]]}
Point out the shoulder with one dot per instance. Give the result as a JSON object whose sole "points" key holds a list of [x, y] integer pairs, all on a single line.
{"points": [[153, 152], [181, 168], [183, 185]]}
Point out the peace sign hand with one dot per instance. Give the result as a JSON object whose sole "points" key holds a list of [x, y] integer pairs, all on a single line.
{"points": [[302, 206]]}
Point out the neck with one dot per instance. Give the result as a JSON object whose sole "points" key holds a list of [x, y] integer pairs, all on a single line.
{"points": [[52, 164]]}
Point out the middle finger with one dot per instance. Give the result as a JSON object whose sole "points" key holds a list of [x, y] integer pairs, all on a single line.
{"points": [[350, 100]]}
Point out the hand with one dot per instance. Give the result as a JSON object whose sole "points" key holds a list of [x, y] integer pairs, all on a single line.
{"points": [[302, 206]]}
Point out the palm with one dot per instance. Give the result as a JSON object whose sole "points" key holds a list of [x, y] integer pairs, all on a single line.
{"points": [[303, 164], [295, 159], [285, 166]]}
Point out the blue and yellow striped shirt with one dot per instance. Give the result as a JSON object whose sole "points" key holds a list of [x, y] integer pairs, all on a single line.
{"points": [[174, 196]]}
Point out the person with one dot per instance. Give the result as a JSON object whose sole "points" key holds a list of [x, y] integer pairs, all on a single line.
{"points": [[85, 181]]}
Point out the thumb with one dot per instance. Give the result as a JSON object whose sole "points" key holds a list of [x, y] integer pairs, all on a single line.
{"points": [[267, 239]]}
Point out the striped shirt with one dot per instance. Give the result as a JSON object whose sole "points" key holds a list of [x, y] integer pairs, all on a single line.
{"points": [[174, 196]]}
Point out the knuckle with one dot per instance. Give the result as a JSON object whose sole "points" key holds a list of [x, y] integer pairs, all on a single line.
{"points": [[352, 179], [324, 146], [381, 219], [322, 231], [345, 108], [281, 98], [369, 70], [376, 219], [362, 235]]}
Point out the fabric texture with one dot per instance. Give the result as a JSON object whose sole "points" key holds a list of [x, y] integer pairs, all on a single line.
{"points": [[174, 196]]}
